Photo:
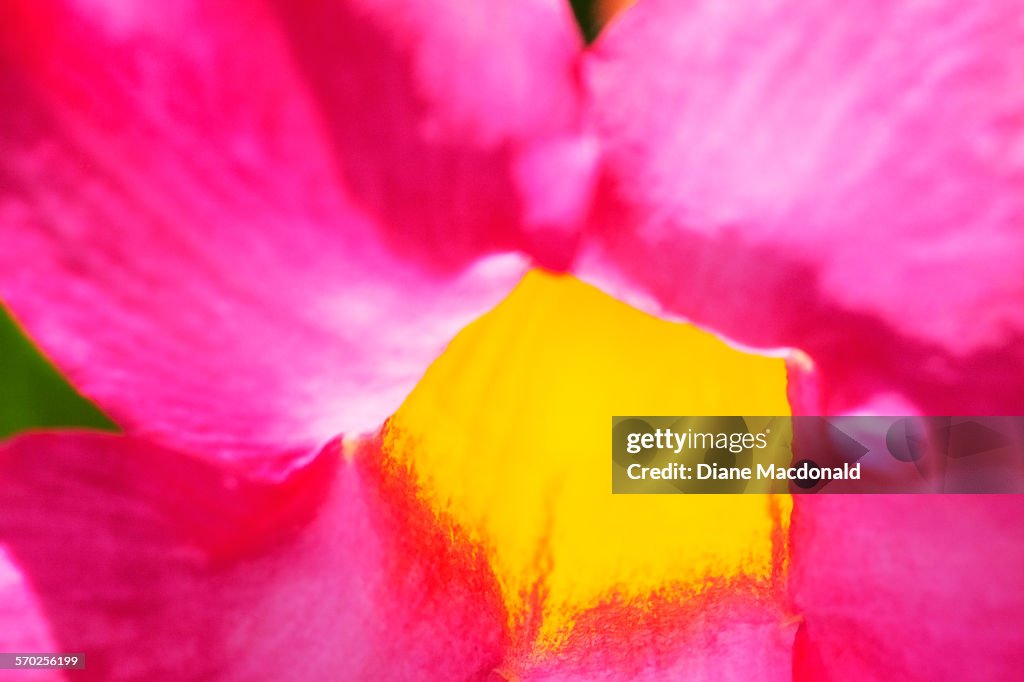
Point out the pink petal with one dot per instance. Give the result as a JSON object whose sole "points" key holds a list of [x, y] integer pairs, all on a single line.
{"points": [[448, 97], [160, 566], [925, 587], [908, 588], [243, 231], [847, 179], [730, 631]]}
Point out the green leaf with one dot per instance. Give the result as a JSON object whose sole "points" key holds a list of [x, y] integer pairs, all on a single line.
{"points": [[33, 394]]}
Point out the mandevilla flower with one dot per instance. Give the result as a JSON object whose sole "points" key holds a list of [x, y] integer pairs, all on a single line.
{"points": [[245, 229]]}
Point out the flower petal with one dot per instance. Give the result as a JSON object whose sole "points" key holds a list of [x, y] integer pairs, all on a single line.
{"points": [[846, 179], [908, 587], [925, 587], [481, 104], [244, 230], [733, 631], [508, 432], [159, 566]]}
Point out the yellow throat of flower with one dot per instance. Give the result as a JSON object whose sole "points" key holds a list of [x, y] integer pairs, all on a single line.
{"points": [[509, 434]]}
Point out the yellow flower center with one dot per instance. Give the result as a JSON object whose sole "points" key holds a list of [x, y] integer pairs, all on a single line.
{"points": [[509, 433]]}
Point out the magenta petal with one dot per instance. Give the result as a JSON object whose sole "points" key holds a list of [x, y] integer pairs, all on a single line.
{"points": [[843, 178], [244, 230], [159, 566], [729, 631], [454, 114], [908, 588]]}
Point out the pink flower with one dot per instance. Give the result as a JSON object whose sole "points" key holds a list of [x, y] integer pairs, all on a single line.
{"points": [[246, 228]]}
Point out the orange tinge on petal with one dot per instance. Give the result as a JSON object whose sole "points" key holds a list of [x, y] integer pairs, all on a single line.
{"points": [[509, 435], [606, 10]]}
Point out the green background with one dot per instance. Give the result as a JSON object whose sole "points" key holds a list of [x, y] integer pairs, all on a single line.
{"points": [[32, 392]]}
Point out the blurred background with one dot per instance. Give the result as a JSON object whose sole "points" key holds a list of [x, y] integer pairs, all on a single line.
{"points": [[32, 393]]}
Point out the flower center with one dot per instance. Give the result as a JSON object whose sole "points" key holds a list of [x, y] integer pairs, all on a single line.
{"points": [[509, 432]]}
